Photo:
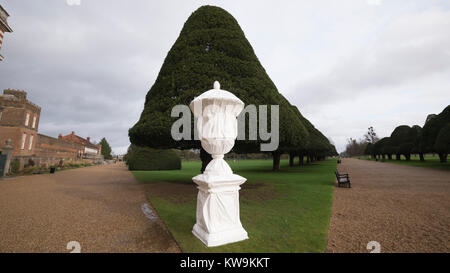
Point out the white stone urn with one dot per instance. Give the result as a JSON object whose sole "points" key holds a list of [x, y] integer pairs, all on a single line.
{"points": [[218, 220]]}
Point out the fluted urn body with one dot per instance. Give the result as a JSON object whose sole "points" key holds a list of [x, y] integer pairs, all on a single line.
{"points": [[218, 220]]}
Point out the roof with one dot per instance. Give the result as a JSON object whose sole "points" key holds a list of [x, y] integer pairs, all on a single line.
{"points": [[77, 139], [3, 20]]}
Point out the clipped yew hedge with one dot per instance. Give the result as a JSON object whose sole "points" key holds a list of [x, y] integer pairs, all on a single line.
{"points": [[148, 159]]}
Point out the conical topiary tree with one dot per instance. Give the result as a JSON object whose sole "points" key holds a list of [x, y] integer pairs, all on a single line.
{"points": [[417, 148], [378, 148], [442, 143], [431, 130], [211, 46], [316, 146], [403, 138]]}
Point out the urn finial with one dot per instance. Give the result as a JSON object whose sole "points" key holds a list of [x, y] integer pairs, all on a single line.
{"points": [[216, 85]]}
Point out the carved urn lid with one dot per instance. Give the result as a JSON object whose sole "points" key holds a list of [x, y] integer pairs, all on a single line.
{"points": [[216, 96]]}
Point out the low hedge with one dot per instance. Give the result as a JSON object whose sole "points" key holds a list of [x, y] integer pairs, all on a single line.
{"points": [[148, 159]]}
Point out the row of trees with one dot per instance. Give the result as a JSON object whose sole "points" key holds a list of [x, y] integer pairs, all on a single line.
{"points": [[434, 137], [212, 46]]}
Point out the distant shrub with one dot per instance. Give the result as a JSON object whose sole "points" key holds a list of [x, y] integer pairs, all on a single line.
{"points": [[15, 166], [71, 165], [31, 169], [30, 163], [148, 159]]}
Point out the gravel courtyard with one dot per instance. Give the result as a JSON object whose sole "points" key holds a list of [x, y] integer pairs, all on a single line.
{"points": [[102, 207], [404, 208]]}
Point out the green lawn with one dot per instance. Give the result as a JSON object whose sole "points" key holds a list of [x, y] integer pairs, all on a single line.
{"points": [[430, 162], [286, 211]]}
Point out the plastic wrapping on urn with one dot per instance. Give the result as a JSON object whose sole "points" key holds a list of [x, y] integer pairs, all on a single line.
{"points": [[218, 220]]}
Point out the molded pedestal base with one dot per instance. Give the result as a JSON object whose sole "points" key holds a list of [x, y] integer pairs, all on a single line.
{"points": [[218, 220], [220, 238]]}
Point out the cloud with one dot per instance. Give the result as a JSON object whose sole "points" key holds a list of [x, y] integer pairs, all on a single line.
{"points": [[410, 48], [90, 66], [405, 59], [373, 2]]}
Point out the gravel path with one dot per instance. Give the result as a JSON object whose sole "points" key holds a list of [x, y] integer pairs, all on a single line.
{"points": [[404, 208], [101, 207]]}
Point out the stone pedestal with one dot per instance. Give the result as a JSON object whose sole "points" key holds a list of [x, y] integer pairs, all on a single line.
{"points": [[218, 220]]}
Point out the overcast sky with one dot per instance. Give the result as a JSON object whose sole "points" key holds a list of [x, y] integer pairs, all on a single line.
{"points": [[347, 65]]}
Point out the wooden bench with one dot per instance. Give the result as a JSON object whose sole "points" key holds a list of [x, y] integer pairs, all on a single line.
{"points": [[343, 179]]}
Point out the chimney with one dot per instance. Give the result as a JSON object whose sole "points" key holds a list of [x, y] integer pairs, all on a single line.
{"points": [[88, 139], [73, 133], [60, 136]]}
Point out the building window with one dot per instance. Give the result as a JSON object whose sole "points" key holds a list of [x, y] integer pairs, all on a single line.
{"points": [[90, 151], [27, 119], [31, 143], [24, 138], [34, 121]]}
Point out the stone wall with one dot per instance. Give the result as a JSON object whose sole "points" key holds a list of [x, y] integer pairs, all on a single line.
{"points": [[38, 161], [52, 147]]}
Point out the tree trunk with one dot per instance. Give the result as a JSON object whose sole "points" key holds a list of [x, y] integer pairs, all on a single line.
{"points": [[300, 160], [408, 157], [276, 160], [389, 156], [291, 159], [443, 158], [383, 157], [421, 157], [205, 157], [397, 157]]}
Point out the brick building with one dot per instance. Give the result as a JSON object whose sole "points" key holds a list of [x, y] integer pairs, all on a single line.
{"points": [[19, 122], [4, 27], [88, 149]]}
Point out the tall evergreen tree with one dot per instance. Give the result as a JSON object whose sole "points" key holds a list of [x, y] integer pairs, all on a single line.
{"points": [[106, 149], [212, 46]]}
